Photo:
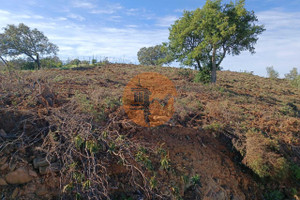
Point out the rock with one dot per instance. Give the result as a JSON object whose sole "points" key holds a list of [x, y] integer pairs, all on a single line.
{"points": [[40, 162], [4, 167], [42, 191], [44, 170], [19, 176], [32, 173], [2, 133], [15, 193], [2, 182]]}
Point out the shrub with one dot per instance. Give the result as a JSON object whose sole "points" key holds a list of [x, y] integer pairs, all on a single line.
{"points": [[274, 195], [262, 158], [23, 64], [296, 82], [272, 73], [75, 62], [51, 62], [292, 75], [203, 76]]}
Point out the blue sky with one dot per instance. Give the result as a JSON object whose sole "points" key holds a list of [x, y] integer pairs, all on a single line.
{"points": [[119, 28]]}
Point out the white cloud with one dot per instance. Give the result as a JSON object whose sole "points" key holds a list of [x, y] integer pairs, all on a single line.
{"points": [[83, 4], [77, 40], [166, 21], [4, 12], [109, 9], [278, 46], [77, 17]]}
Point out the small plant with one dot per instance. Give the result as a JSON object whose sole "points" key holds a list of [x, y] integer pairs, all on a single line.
{"points": [[165, 163], [141, 156], [195, 180], [79, 141], [215, 127], [153, 182]]}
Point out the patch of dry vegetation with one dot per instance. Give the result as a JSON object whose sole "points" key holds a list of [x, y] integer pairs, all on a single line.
{"points": [[74, 119]]}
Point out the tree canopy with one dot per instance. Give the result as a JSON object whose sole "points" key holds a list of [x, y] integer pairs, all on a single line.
{"points": [[156, 55], [21, 40], [202, 38]]}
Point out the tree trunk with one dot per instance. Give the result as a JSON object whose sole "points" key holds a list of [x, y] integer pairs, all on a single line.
{"points": [[4, 61], [214, 67], [38, 61], [198, 65]]}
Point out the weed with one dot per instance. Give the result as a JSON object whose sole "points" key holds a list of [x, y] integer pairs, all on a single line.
{"points": [[215, 127], [195, 180], [141, 156], [153, 182], [165, 163]]}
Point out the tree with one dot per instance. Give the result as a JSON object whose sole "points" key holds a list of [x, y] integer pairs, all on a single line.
{"points": [[202, 38], [157, 55], [21, 40], [3, 49], [272, 73], [292, 75], [76, 62]]}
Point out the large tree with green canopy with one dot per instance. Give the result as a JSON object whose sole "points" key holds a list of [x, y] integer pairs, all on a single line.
{"points": [[21, 40], [203, 37]]}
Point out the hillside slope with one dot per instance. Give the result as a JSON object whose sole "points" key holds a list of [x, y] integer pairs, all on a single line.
{"points": [[64, 134]]}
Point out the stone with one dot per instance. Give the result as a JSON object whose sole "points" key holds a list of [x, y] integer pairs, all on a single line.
{"points": [[42, 191], [32, 173], [15, 193], [40, 162], [19, 176], [2, 182], [2, 133]]}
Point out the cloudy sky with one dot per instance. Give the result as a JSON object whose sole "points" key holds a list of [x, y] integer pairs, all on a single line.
{"points": [[119, 28]]}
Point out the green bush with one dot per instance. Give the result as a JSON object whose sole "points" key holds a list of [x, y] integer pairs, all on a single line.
{"points": [[295, 169], [51, 62], [296, 82], [274, 195], [23, 64], [203, 76]]}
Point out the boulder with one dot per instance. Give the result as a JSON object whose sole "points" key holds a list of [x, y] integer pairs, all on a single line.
{"points": [[19, 176]]}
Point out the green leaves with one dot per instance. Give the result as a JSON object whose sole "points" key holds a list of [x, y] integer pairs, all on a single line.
{"points": [[21, 40], [202, 38], [157, 55]]}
